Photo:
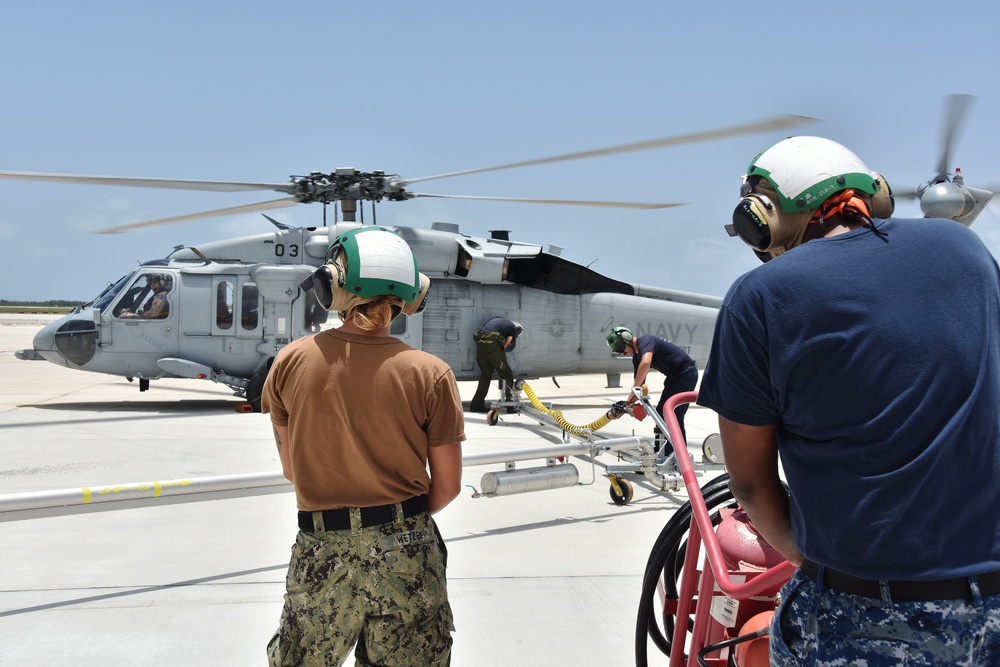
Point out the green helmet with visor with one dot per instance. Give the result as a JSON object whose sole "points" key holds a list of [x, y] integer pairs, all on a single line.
{"points": [[366, 263], [785, 184], [805, 171], [373, 261]]}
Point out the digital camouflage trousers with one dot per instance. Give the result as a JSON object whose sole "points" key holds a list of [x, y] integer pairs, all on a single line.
{"points": [[382, 588], [815, 626]]}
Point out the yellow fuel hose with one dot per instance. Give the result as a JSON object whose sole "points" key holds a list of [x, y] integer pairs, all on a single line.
{"points": [[558, 416]]}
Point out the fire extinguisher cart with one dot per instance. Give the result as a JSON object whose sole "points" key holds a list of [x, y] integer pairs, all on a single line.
{"points": [[711, 601]]}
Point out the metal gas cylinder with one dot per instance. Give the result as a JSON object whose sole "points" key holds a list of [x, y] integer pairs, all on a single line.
{"points": [[742, 546]]}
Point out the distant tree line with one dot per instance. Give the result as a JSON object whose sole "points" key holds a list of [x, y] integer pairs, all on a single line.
{"points": [[52, 303]]}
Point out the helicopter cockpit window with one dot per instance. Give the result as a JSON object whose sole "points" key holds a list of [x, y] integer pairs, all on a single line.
{"points": [[131, 301], [146, 299], [110, 292], [249, 300], [224, 305]]}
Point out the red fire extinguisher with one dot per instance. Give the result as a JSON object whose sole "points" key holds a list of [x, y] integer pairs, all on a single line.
{"points": [[745, 550]]}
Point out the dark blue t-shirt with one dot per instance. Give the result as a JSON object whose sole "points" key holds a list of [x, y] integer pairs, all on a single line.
{"points": [[879, 359], [667, 357], [504, 327]]}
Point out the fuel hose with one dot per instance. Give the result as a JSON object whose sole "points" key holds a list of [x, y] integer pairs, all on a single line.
{"points": [[601, 422]]}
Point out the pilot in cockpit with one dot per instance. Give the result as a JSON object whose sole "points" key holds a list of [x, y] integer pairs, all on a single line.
{"points": [[156, 306]]}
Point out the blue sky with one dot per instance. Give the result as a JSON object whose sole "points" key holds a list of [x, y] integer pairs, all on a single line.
{"points": [[258, 91]]}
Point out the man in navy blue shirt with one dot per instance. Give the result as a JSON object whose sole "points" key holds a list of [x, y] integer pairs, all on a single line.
{"points": [[865, 355], [654, 353]]}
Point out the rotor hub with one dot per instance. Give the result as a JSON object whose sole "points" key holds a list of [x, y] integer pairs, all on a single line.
{"points": [[348, 183]]}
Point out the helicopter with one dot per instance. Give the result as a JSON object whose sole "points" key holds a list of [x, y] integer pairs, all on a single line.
{"points": [[946, 195], [227, 319], [233, 304]]}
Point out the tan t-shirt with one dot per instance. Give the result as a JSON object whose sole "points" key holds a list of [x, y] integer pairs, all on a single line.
{"points": [[361, 413]]}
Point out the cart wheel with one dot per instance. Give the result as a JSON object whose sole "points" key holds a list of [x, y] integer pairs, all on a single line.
{"points": [[492, 417], [711, 449], [625, 489]]}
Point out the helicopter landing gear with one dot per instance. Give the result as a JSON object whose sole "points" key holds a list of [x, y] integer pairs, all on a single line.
{"points": [[255, 386], [621, 490]]}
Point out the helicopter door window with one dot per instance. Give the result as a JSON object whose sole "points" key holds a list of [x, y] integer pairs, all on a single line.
{"points": [[146, 299], [250, 300], [131, 301], [224, 303]]}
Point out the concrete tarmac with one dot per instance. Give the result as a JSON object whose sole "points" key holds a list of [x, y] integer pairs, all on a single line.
{"points": [[548, 578]]}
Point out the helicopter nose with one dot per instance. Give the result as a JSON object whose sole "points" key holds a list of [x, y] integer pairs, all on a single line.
{"points": [[44, 342], [65, 342]]}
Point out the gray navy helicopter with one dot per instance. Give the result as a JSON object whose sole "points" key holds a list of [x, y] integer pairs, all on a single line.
{"points": [[224, 309]]}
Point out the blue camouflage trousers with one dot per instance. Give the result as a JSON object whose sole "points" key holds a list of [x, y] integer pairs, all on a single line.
{"points": [[817, 626], [380, 587]]}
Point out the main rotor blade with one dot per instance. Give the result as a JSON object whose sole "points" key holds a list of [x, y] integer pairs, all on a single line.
{"points": [[284, 202], [766, 125], [562, 202], [164, 183], [957, 107]]}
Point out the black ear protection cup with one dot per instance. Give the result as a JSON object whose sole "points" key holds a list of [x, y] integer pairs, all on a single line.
{"points": [[755, 217], [760, 223], [753, 221], [323, 286], [330, 293]]}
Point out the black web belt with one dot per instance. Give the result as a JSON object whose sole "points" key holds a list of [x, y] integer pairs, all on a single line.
{"points": [[943, 589], [370, 516]]}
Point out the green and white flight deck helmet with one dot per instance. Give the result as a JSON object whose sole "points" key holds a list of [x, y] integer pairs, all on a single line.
{"points": [[619, 338], [799, 181], [366, 263]]}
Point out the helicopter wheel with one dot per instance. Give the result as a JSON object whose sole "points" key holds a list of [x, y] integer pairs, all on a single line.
{"points": [[623, 494], [255, 387], [492, 417]]}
